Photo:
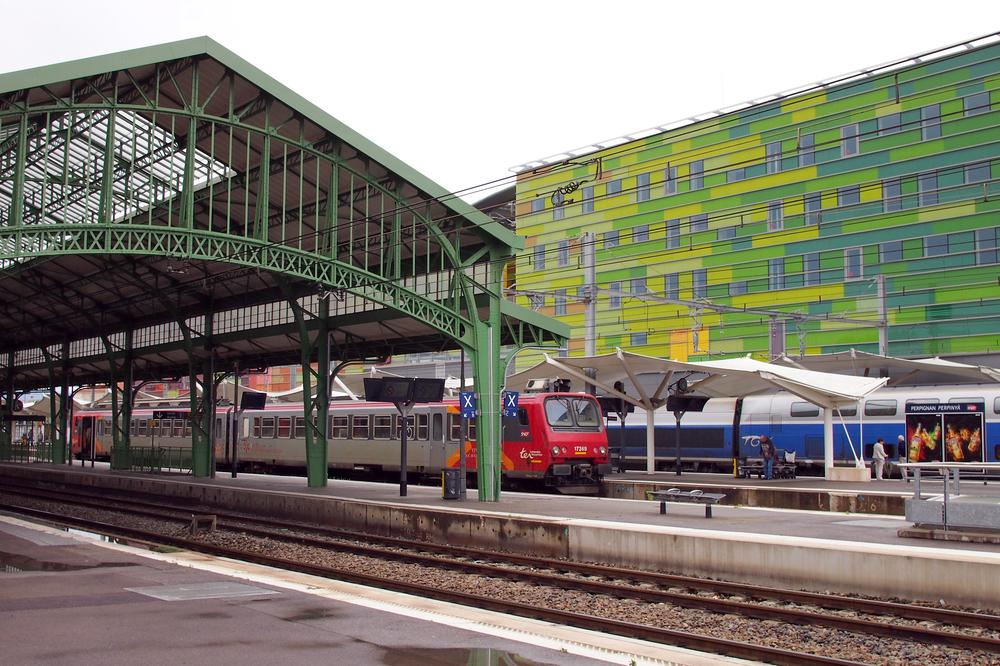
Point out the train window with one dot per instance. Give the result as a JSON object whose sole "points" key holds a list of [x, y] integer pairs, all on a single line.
{"points": [[522, 416], [996, 405], [845, 411], [187, 427], [959, 400], [455, 427], [300, 427], [359, 429], [339, 429], [143, 424], [557, 413], [922, 401], [587, 414], [382, 426], [423, 426], [267, 427], [471, 432], [179, 427], [880, 408], [246, 427], [133, 426], [804, 409], [100, 427], [256, 427], [218, 427], [436, 427], [284, 427]]}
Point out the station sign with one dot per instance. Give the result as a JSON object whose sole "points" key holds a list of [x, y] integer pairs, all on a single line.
{"points": [[510, 402], [467, 403], [160, 414]]}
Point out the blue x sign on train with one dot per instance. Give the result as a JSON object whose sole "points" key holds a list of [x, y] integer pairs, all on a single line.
{"points": [[510, 403], [467, 401]]}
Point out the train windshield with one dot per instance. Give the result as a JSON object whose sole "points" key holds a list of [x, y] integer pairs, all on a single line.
{"points": [[565, 412]]}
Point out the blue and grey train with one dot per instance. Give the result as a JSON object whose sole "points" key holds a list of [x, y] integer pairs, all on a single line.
{"points": [[938, 423]]}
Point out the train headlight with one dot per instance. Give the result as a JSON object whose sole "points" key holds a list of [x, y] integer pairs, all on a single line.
{"points": [[564, 450], [555, 450], [603, 450]]}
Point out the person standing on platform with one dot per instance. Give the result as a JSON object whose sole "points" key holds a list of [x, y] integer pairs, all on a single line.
{"points": [[767, 453], [901, 453], [878, 457]]}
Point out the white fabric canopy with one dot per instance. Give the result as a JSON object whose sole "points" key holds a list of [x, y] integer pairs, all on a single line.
{"points": [[859, 362]]}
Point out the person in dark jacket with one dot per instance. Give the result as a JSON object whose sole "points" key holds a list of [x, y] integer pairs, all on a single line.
{"points": [[767, 453]]}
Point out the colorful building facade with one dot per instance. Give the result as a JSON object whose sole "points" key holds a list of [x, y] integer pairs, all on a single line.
{"points": [[794, 225]]}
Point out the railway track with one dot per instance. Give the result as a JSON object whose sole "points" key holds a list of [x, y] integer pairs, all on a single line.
{"points": [[636, 586]]}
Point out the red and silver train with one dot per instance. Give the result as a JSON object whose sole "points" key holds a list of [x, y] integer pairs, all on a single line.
{"points": [[556, 441]]}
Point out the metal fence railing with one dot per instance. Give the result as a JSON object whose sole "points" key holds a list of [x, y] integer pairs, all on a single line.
{"points": [[21, 452], [151, 459]]}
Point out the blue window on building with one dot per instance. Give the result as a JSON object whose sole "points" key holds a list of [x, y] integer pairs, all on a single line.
{"points": [[699, 283], [558, 201], [976, 104], [812, 204], [807, 150], [738, 287], [775, 215], [776, 273], [538, 254], [726, 233], [613, 187], [890, 251], [892, 195], [640, 233], [638, 286], [696, 178], [638, 339], [737, 174], [537, 205], [772, 153], [936, 246], [977, 173], [671, 288], [930, 121], [563, 256], [849, 195], [927, 187], [810, 269], [670, 180], [610, 239], [698, 222], [852, 263], [587, 206], [849, 140], [986, 246], [642, 187], [888, 124], [673, 234], [615, 297]]}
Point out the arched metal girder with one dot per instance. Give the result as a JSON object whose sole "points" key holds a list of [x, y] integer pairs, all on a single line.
{"points": [[185, 154]]}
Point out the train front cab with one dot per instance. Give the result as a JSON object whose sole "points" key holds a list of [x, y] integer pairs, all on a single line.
{"points": [[558, 438]]}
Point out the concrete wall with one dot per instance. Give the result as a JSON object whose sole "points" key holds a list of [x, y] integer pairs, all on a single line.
{"points": [[968, 578]]}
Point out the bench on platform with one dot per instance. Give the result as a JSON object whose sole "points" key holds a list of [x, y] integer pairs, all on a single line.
{"points": [[688, 496]]}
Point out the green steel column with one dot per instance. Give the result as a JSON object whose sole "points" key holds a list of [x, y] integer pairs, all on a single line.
{"points": [[489, 380], [57, 407], [317, 456], [106, 209], [201, 454], [6, 425]]}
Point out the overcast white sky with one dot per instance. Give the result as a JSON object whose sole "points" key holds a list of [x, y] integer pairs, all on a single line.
{"points": [[462, 91]]}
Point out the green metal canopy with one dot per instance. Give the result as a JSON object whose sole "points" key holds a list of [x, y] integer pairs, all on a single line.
{"points": [[174, 210]]}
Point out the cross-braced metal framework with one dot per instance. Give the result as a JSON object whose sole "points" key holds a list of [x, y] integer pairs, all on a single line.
{"points": [[150, 199]]}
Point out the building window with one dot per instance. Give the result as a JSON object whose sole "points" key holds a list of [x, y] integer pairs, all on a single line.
{"points": [[986, 246], [737, 288], [890, 251], [892, 195], [975, 104], [888, 124], [812, 205], [772, 152], [849, 196], [670, 180], [775, 215], [930, 122], [698, 222], [737, 174], [927, 186], [638, 339], [810, 269], [642, 187], [613, 187], [726, 233], [638, 286], [560, 302], [696, 179], [936, 246], [807, 150], [776, 273], [673, 234], [852, 263], [537, 302], [588, 200], [563, 256], [539, 257], [558, 201], [977, 173], [671, 288], [699, 283], [537, 205], [615, 297], [640, 234], [849, 140], [610, 239]]}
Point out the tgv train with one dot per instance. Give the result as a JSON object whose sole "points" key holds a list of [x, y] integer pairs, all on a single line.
{"points": [[557, 440], [938, 423]]}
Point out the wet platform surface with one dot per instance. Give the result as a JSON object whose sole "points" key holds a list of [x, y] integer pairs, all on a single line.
{"points": [[66, 600]]}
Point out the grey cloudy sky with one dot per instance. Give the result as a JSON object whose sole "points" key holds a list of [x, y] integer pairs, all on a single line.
{"points": [[464, 90]]}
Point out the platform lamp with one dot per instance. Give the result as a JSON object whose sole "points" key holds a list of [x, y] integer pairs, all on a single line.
{"points": [[680, 404]]}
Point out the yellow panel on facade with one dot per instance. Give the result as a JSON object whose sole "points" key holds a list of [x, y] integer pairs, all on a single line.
{"points": [[948, 212], [680, 344]]}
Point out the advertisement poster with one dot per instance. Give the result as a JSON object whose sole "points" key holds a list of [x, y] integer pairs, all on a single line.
{"points": [[945, 432]]}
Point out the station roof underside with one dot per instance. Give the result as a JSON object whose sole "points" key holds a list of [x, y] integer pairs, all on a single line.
{"points": [[259, 163]]}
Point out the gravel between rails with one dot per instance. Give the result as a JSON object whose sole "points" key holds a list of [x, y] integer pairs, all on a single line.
{"points": [[815, 640]]}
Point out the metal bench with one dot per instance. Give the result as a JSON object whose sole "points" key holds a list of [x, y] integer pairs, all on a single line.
{"points": [[688, 496]]}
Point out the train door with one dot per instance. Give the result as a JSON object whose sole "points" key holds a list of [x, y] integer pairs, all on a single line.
{"points": [[87, 436]]}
